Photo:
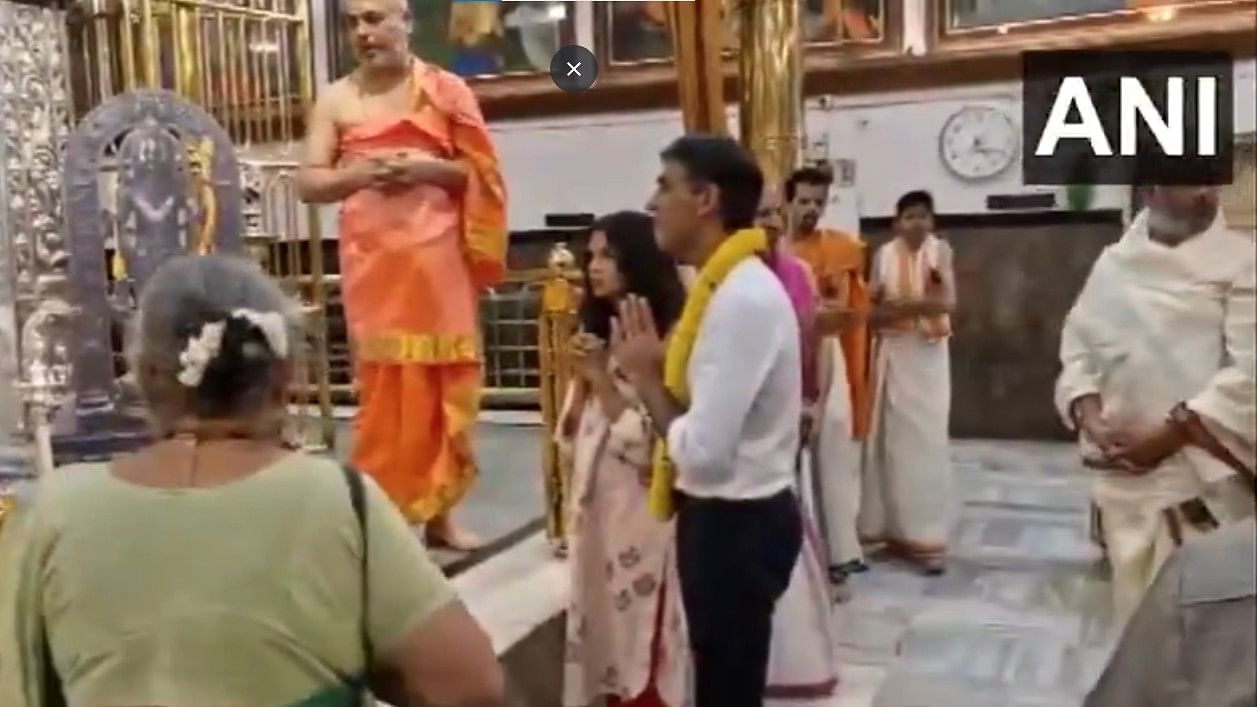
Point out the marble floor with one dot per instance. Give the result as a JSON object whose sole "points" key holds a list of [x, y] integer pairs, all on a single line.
{"points": [[1019, 618]]}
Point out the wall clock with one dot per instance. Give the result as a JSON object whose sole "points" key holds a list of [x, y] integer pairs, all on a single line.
{"points": [[979, 142]]}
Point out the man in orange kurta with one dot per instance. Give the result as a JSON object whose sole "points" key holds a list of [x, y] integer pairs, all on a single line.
{"points": [[404, 148], [837, 260]]}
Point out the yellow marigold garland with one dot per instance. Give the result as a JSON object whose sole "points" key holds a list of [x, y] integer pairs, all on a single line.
{"points": [[736, 248]]}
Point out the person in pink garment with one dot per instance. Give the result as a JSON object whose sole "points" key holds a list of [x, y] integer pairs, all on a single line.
{"points": [[800, 285], [803, 649]]}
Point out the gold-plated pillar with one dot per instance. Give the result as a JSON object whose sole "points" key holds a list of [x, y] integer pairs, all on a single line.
{"points": [[126, 45], [152, 48], [555, 327], [770, 98], [696, 33]]}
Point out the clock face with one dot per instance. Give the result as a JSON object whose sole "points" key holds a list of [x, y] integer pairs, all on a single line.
{"points": [[979, 142]]}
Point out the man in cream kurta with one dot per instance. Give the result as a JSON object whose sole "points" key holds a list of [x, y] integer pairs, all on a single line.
{"points": [[837, 261], [1157, 377]]}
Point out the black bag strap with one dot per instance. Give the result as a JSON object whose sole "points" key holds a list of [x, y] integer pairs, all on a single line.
{"points": [[53, 693], [358, 499]]}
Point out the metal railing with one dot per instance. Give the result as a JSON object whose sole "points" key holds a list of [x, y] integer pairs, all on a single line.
{"points": [[510, 316], [556, 325], [247, 62], [281, 234]]}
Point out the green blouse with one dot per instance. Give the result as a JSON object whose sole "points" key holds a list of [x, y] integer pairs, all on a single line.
{"points": [[246, 593]]}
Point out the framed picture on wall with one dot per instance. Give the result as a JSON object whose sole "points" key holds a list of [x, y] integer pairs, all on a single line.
{"points": [[474, 39]]}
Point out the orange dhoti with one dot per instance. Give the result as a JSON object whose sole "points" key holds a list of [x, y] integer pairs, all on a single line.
{"points": [[414, 431], [412, 264]]}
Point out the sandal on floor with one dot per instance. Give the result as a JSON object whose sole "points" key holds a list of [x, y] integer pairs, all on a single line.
{"points": [[853, 567]]}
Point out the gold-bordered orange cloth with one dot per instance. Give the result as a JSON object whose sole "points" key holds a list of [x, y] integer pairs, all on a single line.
{"points": [[413, 433], [426, 349], [413, 261]]}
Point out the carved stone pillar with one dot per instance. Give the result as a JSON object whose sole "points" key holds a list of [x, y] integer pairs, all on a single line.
{"points": [[770, 98], [34, 123]]}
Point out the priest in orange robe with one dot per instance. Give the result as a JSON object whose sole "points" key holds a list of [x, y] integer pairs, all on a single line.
{"points": [[837, 261], [404, 148]]}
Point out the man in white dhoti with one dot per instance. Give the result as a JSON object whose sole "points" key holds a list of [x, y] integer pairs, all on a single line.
{"points": [[907, 497], [837, 260], [1158, 378], [803, 652]]}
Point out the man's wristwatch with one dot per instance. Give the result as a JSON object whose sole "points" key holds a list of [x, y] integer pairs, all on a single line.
{"points": [[1184, 421], [1195, 433], [1189, 430]]}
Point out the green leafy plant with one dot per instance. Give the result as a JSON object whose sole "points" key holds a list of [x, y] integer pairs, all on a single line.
{"points": [[1080, 197]]}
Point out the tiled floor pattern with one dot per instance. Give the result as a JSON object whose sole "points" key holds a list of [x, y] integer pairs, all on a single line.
{"points": [[1017, 621], [1019, 618]]}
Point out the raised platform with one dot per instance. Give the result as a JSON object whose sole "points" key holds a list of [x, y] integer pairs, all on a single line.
{"points": [[503, 508], [519, 596], [505, 505]]}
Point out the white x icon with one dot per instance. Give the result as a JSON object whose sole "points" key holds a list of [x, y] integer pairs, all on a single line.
{"points": [[573, 68]]}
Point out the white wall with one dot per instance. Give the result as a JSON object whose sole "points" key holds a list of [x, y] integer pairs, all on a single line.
{"points": [[1245, 91], [607, 162]]}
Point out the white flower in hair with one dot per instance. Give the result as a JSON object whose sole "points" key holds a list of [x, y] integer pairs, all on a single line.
{"points": [[200, 351], [272, 326]]}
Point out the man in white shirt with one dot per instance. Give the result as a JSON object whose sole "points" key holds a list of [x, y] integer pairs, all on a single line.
{"points": [[739, 529]]}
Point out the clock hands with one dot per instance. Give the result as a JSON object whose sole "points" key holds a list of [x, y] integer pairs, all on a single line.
{"points": [[979, 147], [978, 142]]}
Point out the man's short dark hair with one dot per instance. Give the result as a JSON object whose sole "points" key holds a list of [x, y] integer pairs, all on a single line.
{"points": [[919, 197], [807, 175], [722, 162]]}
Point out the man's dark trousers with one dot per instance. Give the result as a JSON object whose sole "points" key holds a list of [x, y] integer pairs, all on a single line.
{"points": [[735, 559]]}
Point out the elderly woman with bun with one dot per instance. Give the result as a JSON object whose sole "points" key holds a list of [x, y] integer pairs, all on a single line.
{"points": [[218, 567]]}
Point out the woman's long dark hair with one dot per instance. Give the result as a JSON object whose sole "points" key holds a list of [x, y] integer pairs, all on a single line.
{"points": [[646, 270]]}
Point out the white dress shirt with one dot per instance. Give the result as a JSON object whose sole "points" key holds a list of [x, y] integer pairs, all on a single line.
{"points": [[740, 436]]}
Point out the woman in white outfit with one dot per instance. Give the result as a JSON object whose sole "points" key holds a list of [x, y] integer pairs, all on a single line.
{"points": [[626, 638]]}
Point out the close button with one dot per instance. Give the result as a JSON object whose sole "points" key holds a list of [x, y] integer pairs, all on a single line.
{"points": [[574, 68]]}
